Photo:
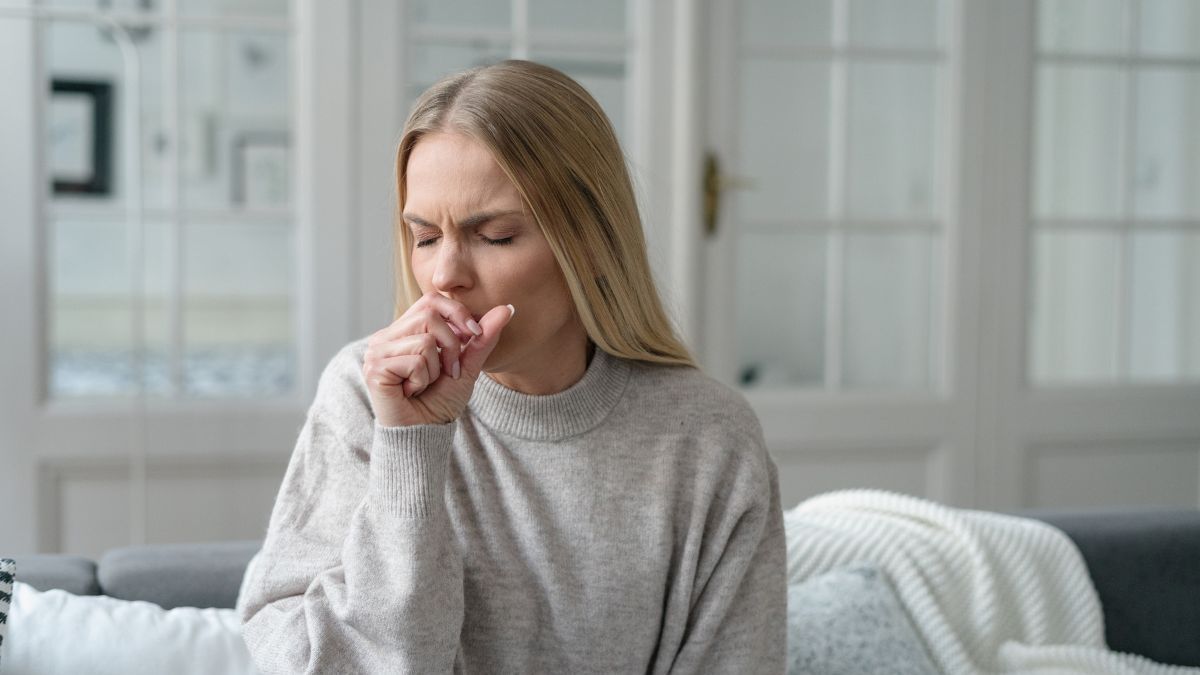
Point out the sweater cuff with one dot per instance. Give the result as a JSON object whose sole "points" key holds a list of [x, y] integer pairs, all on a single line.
{"points": [[408, 468]]}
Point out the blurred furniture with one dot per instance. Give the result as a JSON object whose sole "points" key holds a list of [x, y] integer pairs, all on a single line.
{"points": [[1145, 564]]}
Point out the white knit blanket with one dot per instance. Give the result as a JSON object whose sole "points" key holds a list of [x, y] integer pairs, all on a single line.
{"points": [[988, 593]]}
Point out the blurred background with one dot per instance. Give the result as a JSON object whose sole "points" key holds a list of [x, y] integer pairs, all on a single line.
{"points": [[944, 247]]}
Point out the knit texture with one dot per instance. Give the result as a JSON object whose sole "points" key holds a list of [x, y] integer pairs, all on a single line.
{"points": [[988, 593], [628, 524], [8, 573]]}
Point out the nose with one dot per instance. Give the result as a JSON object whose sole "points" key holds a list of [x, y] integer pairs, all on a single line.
{"points": [[453, 270]]}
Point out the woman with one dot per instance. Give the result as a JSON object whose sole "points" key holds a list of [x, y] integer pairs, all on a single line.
{"points": [[524, 472]]}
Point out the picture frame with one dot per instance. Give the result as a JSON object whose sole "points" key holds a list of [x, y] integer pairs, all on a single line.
{"points": [[261, 171], [79, 136]]}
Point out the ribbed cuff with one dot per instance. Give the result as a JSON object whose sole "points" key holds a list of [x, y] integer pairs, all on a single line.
{"points": [[408, 468]]}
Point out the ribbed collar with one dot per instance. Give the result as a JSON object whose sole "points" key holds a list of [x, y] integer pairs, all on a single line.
{"points": [[572, 411]]}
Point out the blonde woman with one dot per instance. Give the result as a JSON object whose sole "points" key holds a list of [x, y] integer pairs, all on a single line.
{"points": [[524, 472]]}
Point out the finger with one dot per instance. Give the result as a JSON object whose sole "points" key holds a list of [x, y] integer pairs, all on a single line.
{"points": [[420, 379], [454, 312], [425, 319], [405, 373], [424, 345], [477, 351]]}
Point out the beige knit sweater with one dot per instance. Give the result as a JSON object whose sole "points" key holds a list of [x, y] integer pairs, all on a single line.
{"points": [[628, 524]]}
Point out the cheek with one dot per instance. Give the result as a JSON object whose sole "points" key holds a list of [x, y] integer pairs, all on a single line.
{"points": [[546, 285], [422, 271], [541, 297]]}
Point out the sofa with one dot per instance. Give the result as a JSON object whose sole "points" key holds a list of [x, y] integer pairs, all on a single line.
{"points": [[1144, 563]]}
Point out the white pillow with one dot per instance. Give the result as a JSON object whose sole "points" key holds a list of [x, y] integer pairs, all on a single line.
{"points": [[55, 632]]}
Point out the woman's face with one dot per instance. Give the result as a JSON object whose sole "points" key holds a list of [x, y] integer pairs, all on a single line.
{"points": [[474, 242]]}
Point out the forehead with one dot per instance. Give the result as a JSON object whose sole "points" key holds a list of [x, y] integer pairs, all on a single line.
{"points": [[454, 171]]}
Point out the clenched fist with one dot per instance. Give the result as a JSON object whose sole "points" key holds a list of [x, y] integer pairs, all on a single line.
{"points": [[422, 368]]}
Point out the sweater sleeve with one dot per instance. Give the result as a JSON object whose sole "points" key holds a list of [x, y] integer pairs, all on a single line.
{"points": [[360, 571], [738, 621]]}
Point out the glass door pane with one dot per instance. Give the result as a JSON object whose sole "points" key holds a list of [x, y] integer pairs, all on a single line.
{"points": [[838, 133], [215, 147], [87, 94], [890, 310], [780, 309], [1082, 26], [894, 141], [1116, 189], [1076, 292], [1164, 303], [786, 22], [235, 120], [1078, 158], [491, 14], [1166, 181], [586, 40], [238, 317], [1169, 28], [887, 23], [593, 16], [783, 140], [92, 307]]}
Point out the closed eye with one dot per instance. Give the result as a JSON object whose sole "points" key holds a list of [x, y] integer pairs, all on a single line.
{"points": [[429, 241]]}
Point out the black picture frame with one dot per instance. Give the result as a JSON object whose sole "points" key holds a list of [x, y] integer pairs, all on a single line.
{"points": [[99, 94]]}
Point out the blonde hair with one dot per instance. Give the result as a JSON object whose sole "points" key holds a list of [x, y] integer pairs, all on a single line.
{"points": [[556, 145]]}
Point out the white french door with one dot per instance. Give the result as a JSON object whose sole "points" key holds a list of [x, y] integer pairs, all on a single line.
{"points": [[956, 249], [169, 302], [1092, 234], [841, 276]]}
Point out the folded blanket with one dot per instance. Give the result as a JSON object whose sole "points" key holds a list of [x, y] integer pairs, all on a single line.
{"points": [[988, 593]]}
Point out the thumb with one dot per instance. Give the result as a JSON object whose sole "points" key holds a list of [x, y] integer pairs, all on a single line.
{"points": [[481, 346]]}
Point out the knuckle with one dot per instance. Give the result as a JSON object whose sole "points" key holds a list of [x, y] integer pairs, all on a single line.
{"points": [[428, 299], [424, 315]]}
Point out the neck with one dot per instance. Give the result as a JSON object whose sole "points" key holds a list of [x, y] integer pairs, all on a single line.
{"points": [[554, 371]]}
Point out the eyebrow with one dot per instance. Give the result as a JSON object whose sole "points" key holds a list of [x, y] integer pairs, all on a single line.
{"points": [[470, 221]]}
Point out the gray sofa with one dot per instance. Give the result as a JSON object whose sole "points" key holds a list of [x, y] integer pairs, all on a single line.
{"points": [[1145, 565]]}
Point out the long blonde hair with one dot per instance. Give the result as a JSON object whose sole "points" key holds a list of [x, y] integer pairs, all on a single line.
{"points": [[556, 145]]}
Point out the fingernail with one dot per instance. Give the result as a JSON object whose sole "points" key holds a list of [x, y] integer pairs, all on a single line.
{"points": [[511, 310], [473, 326], [455, 370]]}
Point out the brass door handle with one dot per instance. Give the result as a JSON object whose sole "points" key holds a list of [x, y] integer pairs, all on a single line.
{"points": [[713, 183]]}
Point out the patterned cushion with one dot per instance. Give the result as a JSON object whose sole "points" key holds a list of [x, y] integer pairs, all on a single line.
{"points": [[849, 621], [8, 572]]}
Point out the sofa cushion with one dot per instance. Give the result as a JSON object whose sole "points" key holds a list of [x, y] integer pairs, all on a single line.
{"points": [[1143, 563], [57, 633], [177, 575], [72, 573], [848, 621]]}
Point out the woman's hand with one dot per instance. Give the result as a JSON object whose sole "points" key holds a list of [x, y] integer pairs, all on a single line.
{"points": [[422, 368]]}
